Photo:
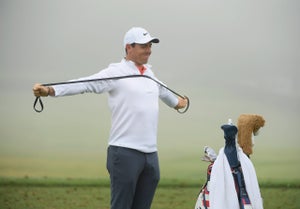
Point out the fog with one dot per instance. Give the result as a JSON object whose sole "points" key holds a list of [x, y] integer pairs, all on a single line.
{"points": [[229, 57]]}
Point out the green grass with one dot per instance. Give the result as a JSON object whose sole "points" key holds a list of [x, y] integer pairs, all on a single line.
{"points": [[20, 193], [176, 162]]}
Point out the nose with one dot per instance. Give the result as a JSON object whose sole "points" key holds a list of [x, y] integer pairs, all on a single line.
{"points": [[148, 48]]}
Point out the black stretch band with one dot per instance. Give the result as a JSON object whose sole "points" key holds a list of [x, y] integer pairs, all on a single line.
{"points": [[39, 100]]}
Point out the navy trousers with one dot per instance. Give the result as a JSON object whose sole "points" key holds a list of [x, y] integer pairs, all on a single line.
{"points": [[134, 177]]}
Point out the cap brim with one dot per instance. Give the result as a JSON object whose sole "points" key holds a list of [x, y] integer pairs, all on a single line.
{"points": [[155, 40], [147, 40]]}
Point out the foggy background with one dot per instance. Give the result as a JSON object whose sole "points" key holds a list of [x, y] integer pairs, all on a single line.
{"points": [[229, 57]]}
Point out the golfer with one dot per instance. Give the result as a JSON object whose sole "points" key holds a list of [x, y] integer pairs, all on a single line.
{"points": [[132, 160]]}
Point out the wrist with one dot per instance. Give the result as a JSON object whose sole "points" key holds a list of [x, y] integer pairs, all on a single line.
{"points": [[49, 91]]}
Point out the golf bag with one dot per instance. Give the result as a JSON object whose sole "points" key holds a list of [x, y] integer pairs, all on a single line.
{"points": [[231, 179], [203, 197]]}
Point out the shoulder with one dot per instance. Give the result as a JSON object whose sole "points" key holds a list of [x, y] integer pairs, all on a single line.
{"points": [[116, 64], [113, 69]]}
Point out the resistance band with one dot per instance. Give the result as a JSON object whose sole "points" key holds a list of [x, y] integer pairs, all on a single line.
{"points": [[39, 100]]}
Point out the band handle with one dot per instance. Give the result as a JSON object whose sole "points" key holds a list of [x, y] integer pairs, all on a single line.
{"points": [[36, 101]]}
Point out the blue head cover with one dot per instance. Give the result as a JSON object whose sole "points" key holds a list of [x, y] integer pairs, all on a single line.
{"points": [[230, 132]]}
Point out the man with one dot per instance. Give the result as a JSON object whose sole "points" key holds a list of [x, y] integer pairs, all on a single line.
{"points": [[132, 160]]}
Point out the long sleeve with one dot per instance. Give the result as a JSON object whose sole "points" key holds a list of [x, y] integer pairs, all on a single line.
{"points": [[167, 97], [86, 87]]}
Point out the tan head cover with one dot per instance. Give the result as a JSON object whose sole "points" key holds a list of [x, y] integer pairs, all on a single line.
{"points": [[248, 124]]}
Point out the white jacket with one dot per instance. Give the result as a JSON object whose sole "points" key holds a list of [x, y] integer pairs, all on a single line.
{"points": [[133, 103]]}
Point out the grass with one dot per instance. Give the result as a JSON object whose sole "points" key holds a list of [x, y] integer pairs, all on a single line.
{"points": [[54, 197], [175, 163], [20, 193]]}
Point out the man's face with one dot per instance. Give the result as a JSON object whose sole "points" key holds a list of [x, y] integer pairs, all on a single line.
{"points": [[139, 53]]}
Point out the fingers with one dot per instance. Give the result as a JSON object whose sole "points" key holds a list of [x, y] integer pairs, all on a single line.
{"points": [[40, 90], [182, 102], [185, 101], [36, 90]]}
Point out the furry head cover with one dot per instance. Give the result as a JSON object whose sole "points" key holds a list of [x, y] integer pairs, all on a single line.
{"points": [[248, 124]]}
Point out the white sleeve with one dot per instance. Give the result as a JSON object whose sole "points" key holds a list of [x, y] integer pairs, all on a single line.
{"points": [[86, 87], [167, 97]]}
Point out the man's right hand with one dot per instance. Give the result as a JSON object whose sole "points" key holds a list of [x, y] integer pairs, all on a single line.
{"points": [[42, 91]]}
